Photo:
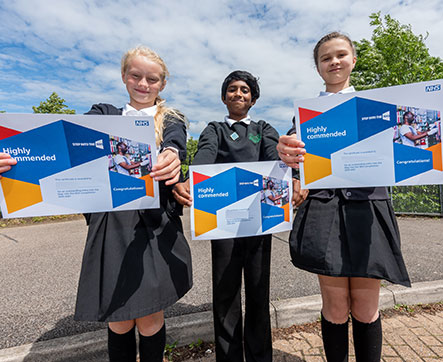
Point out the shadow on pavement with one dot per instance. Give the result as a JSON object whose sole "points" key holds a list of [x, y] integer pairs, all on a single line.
{"points": [[65, 327]]}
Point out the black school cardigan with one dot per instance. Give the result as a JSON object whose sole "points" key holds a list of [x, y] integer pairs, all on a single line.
{"points": [[221, 143]]}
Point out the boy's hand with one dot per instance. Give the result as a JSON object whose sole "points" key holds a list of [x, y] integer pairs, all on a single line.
{"points": [[182, 194], [167, 167], [291, 150], [6, 161], [298, 194]]}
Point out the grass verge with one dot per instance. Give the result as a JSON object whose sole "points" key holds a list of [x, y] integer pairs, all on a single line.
{"points": [[24, 221]]}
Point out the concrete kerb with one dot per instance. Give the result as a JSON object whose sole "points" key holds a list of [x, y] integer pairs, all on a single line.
{"points": [[59, 349], [189, 328], [420, 293]]}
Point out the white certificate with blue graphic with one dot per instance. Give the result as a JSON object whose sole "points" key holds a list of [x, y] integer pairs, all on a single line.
{"points": [[240, 199], [77, 163], [379, 137]]}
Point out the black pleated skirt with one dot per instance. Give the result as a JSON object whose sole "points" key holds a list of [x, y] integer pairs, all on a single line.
{"points": [[347, 238], [135, 263]]}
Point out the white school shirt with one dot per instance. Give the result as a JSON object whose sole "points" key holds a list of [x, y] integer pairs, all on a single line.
{"points": [[246, 120], [129, 110], [343, 91]]}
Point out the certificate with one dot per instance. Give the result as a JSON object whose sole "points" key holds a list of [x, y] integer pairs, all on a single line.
{"points": [[72, 164], [379, 137], [240, 199]]}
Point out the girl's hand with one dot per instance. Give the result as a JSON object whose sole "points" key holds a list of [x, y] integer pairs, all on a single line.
{"points": [[167, 167], [291, 150], [182, 194], [298, 194], [6, 161]]}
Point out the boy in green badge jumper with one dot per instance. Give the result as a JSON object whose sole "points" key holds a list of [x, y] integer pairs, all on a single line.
{"points": [[238, 139]]}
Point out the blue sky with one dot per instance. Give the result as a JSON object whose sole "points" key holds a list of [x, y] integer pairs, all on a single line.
{"points": [[74, 47]]}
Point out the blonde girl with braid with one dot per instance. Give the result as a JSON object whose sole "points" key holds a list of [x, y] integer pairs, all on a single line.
{"points": [[136, 263], [138, 96]]}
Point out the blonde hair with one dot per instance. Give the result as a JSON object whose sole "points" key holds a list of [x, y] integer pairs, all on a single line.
{"points": [[162, 109]]}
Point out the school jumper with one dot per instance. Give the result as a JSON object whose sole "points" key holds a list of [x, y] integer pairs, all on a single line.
{"points": [[221, 142], [135, 262]]}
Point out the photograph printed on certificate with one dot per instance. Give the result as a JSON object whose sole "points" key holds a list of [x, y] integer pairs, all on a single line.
{"points": [[379, 137], [74, 164], [240, 199]]}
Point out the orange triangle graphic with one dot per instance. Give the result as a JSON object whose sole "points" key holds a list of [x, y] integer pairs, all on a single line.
{"points": [[436, 156], [20, 194], [286, 210], [316, 167], [204, 222], [149, 184]]}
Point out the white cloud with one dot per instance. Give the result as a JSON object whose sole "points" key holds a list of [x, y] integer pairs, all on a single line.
{"points": [[74, 47], [197, 127]]}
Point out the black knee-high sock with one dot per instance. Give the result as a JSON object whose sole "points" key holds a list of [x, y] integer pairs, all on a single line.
{"points": [[367, 340], [335, 340], [122, 347], [151, 348]]}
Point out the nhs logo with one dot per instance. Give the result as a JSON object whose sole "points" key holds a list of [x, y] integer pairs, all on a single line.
{"points": [[433, 88], [141, 123], [99, 144]]}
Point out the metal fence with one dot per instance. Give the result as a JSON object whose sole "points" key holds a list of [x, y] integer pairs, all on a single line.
{"points": [[418, 200]]}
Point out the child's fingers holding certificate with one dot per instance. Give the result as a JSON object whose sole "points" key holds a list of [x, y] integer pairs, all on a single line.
{"points": [[291, 151], [6, 161], [182, 194], [167, 167]]}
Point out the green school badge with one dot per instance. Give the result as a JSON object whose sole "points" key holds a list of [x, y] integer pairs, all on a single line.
{"points": [[255, 138]]}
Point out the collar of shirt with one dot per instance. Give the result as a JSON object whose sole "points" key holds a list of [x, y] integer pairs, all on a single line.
{"points": [[129, 110], [343, 91], [246, 120]]}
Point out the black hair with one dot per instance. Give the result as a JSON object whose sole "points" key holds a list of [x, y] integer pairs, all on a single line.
{"points": [[408, 116], [246, 77], [120, 144]]}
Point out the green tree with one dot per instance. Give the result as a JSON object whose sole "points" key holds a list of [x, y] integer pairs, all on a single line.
{"points": [[54, 104], [393, 56], [191, 149]]}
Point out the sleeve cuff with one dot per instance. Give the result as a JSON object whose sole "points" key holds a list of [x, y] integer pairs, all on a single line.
{"points": [[172, 149]]}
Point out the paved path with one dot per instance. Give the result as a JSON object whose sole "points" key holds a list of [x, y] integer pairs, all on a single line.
{"points": [[406, 337], [418, 338], [39, 268]]}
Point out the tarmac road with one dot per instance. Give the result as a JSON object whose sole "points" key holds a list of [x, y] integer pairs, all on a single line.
{"points": [[40, 265]]}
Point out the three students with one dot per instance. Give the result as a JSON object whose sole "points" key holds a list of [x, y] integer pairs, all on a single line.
{"points": [[136, 263]]}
